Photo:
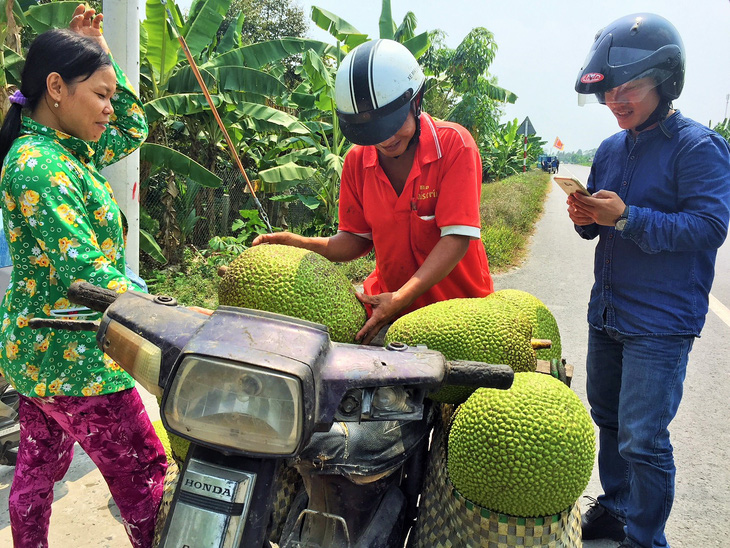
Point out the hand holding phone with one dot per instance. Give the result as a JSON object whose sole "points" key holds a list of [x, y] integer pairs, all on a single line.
{"points": [[571, 185]]}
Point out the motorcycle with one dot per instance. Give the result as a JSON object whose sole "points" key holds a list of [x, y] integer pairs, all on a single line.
{"points": [[255, 392]]}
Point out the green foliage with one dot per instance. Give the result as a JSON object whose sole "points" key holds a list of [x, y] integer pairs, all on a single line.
{"points": [[459, 84], [248, 227], [508, 211], [359, 269], [503, 151], [193, 283], [580, 157], [723, 128], [264, 20]]}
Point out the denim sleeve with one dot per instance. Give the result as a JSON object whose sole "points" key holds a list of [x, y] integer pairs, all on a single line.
{"points": [[703, 189], [587, 232]]}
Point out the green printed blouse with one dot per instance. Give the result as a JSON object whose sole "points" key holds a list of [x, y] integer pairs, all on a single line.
{"points": [[63, 225]]}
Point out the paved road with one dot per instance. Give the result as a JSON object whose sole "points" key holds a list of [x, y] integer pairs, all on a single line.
{"points": [[558, 271]]}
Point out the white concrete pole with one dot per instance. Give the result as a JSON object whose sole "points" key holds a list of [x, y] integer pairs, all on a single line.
{"points": [[121, 30]]}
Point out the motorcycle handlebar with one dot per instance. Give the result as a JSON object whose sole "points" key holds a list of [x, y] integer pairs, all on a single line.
{"points": [[91, 296], [469, 373], [458, 372]]}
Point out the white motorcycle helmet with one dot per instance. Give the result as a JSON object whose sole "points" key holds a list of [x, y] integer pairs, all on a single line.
{"points": [[376, 86]]}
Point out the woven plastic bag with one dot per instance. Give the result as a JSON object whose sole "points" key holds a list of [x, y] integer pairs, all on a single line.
{"points": [[448, 520]]}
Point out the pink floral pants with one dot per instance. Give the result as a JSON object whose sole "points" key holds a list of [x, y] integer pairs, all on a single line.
{"points": [[115, 432]]}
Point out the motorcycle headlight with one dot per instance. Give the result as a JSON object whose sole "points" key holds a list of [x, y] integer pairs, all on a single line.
{"points": [[230, 405]]}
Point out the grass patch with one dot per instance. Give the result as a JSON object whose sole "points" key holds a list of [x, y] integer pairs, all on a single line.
{"points": [[509, 210], [193, 283]]}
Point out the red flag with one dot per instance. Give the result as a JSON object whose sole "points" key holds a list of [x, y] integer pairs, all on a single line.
{"points": [[558, 144]]}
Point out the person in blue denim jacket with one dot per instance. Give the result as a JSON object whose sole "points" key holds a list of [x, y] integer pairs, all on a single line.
{"points": [[660, 206]]}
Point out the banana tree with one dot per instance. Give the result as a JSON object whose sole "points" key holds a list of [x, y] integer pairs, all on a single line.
{"points": [[503, 152]]}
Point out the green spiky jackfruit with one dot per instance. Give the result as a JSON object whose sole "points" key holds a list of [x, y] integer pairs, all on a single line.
{"points": [[468, 329], [527, 451], [296, 282], [543, 321]]}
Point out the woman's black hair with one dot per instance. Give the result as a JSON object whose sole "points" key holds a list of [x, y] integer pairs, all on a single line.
{"points": [[71, 55]]}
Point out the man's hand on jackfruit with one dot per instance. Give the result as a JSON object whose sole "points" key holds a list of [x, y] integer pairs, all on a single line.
{"points": [[385, 308]]}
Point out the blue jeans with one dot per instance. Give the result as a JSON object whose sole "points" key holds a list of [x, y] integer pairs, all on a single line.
{"points": [[634, 388]]}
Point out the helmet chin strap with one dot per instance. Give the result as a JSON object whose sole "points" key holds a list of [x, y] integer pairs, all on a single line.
{"points": [[659, 114]]}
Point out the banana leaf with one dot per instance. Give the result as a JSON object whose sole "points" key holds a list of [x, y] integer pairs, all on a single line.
{"points": [[418, 45], [163, 47], [264, 53], [407, 28], [267, 119], [180, 104], [386, 24], [143, 39], [43, 17], [338, 27], [228, 78], [309, 154], [19, 7], [184, 81], [232, 37], [162, 156], [279, 178], [12, 66], [235, 78], [148, 244], [203, 22], [497, 93]]}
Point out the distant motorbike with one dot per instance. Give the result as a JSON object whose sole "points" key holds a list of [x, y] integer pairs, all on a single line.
{"points": [[254, 391]]}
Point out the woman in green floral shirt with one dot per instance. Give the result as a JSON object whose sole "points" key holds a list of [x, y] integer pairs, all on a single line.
{"points": [[74, 114]]}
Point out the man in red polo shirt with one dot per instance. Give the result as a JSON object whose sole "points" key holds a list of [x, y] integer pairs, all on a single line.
{"points": [[410, 189]]}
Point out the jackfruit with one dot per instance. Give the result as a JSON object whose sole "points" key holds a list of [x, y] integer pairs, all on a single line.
{"points": [[543, 321], [296, 282], [176, 448], [468, 329], [527, 451]]}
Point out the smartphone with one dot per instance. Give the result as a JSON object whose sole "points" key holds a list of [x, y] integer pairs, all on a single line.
{"points": [[570, 185]]}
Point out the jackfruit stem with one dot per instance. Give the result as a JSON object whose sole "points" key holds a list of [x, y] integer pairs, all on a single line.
{"points": [[222, 270], [540, 344]]}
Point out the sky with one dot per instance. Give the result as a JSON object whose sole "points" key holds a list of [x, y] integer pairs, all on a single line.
{"points": [[542, 46]]}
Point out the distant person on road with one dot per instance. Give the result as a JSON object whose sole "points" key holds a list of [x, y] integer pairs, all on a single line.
{"points": [[75, 112], [410, 190], [660, 207]]}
